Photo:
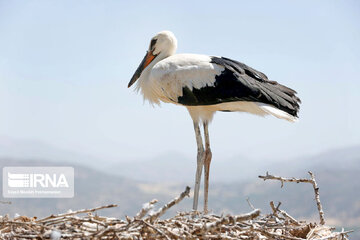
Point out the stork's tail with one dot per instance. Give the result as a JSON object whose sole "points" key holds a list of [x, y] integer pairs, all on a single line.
{"points": [[283, 101], [277, 112]]}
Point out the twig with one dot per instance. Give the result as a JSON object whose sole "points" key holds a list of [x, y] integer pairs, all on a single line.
{"points": [[76, 212], [335, 234], [286, 215], [298, 180], [275, 209], [282, 179], [317, 198], [228, 219], [275, 235], [146, 208], [176, 200], [104, 231], [248, 201], [156, 229]]}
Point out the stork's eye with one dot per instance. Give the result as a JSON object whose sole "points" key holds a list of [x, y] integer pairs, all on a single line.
{"points": [[152, 44]]}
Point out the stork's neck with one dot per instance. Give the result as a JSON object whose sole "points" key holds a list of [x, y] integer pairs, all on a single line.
{"points": [[143, 83], [162, 55]]}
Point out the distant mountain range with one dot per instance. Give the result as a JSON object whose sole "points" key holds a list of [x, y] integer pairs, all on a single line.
{"points": [[37, 150], [92, 188], [130, 184], [174, 167]]}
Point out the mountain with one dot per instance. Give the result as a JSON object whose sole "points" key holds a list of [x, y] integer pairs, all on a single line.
{"points": [[174, 167], [92, 188], [32, 149], [337, 173]]}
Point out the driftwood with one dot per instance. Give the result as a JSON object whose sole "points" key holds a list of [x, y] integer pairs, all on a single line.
{"points": [[82, 224]]}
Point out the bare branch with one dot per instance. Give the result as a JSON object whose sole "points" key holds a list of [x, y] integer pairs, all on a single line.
{"points": [[156, 229], [291, 219], [146, 208], [176, 200], [276, 235], [282, 179], [298, 180], [317, 198], [76, 212], [275, 209], [251, 206], [227, 220]]}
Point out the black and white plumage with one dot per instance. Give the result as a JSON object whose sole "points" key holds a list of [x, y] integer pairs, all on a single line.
{"points": [[238, 82], [205, 85]]}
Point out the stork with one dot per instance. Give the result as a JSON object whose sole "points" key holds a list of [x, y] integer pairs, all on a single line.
{"points": [[205, 85]]}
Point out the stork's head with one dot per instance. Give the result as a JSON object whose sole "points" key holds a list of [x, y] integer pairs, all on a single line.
{"points": [[162, 45]]}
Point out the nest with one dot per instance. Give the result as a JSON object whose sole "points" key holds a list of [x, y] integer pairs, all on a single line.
{"points": [[147, 224]]}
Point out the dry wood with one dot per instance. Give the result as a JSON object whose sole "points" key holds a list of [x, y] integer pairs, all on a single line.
{"points": [[176, 200], [156, 229], [82, 224], [284, 179], [317, 198], [146, 208], [298, 180], [276, 235], [75, 213], [250, 205], [285, 214], [228, 220]]}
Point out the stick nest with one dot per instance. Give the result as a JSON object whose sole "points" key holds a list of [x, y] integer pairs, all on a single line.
{"points": [[147, 224]]}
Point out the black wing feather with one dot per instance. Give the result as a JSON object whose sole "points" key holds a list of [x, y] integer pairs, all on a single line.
{"points": [[239, 82]]}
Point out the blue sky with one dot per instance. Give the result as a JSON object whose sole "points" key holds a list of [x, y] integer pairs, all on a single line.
{"points": [[65, 65]]}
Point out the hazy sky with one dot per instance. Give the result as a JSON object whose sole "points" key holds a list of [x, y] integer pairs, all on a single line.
{"points": [[65, 65]]}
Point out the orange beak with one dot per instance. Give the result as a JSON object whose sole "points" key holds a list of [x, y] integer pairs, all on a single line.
{"points": [[149, 57]]}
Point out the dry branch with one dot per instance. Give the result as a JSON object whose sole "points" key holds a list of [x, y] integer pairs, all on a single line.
{"points": [[156, 229], [146, 208], [298, 180], [284, 179], [228, 220], [275, 235], [317, 198], [52, 217], [176, 200], [184, 225], [285, 214]]}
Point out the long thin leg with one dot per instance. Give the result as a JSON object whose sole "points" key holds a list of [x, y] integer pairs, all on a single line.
{"points": [[200, 163], [207, 161]]}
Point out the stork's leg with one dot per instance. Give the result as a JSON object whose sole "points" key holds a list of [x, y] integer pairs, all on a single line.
{"points": [[200, 163], [207, 161]]}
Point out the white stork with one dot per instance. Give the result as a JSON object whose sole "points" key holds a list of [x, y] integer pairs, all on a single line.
{"points": [[204, 85]]}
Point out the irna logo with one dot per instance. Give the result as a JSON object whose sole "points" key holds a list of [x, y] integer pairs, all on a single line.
{"points": [[37, 180]]}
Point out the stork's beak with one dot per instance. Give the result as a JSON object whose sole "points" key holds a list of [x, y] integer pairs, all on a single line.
{"points": [[149, 57]]}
